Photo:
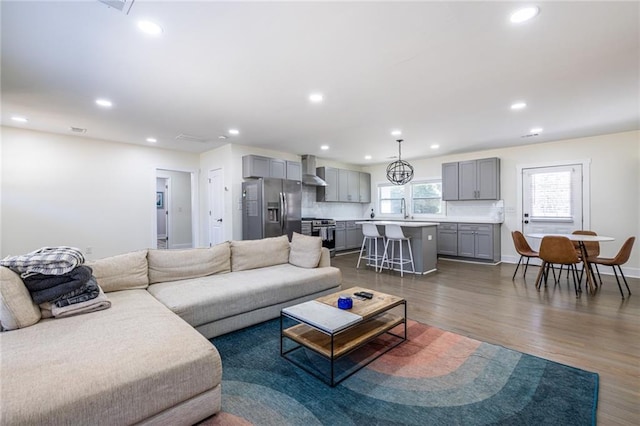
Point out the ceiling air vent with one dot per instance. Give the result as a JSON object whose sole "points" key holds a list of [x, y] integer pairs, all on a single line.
{"points": [[79, 130], [120, 5], [190, 138]]}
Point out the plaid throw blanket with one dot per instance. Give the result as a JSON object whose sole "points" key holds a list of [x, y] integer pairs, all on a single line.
{"points": [[46, 261]]}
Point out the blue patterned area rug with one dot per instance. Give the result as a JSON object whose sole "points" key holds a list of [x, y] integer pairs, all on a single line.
{"points": [[434, 378]]}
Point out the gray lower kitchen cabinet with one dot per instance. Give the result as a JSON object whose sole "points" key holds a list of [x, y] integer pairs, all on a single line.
{"points": [[341, 235], [448, 239], [354, 235], [479, 241]]}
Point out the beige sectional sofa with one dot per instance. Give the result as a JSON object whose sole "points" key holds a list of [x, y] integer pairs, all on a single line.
{"points": [[145, 360]]}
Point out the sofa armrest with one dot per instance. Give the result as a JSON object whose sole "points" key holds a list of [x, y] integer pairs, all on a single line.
{"points": [[325, 258]]}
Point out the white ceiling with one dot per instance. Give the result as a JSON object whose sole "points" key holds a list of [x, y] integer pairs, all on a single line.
{"points": [[443, 72]]}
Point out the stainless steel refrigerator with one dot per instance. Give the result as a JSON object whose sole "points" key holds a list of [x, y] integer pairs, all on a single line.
{"points": [[270, 208]]}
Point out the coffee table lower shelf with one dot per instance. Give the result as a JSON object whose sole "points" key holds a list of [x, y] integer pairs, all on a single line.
{"points": [[334, 346]]}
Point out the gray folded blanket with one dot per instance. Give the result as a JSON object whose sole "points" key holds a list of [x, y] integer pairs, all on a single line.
{"points": [[47, 288], [99, 303], [87, 292]]}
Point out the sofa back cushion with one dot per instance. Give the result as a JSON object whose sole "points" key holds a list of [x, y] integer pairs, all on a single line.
{"points": [[122, 272], [174, 265], [252, 254], [17, 309], [305, 250]]}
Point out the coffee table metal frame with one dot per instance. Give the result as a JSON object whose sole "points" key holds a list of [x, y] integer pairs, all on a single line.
{"points": [[331, 356]]}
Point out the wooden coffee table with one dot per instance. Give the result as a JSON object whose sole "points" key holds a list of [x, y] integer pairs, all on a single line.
{"points": [[334, 333]]}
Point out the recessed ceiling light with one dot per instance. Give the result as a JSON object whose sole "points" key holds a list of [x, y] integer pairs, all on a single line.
{"points": [[435, 146], [19, 119], [152, 140], [324, 147], [149, 27], [104, 103], [222, 137], [234, 131], [524, 14], [367, 157], [518, 105], [536, 130], [396, 133], [316, 97]]}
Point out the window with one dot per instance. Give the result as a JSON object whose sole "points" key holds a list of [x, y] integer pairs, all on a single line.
{"points": [[421, 197], [390, 199], [551, 195], [426, 197]]}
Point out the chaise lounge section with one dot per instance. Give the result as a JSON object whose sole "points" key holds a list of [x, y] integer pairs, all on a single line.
{"points": [[147, 360]]}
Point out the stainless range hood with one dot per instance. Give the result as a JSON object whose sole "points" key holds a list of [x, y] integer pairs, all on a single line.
{"points": [[309, 176]]}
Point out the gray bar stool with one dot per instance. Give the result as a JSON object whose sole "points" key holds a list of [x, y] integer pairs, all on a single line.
{"points": [[371, 235], [394, 234]]}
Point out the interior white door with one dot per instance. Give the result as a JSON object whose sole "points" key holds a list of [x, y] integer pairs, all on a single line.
{"points": [[216, 207], [552, 200]]}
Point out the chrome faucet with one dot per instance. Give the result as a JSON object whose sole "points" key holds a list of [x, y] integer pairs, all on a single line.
{"points": [[403, 208]]}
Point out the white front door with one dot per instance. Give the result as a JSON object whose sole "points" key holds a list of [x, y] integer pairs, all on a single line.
{"points": [[216, 207], [552, 200]]}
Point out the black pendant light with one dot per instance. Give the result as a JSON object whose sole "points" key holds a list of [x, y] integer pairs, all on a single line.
{"points": [[399, 172]]}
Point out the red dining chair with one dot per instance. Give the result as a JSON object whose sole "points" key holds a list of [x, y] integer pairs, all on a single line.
{"points": [[620, 259]]}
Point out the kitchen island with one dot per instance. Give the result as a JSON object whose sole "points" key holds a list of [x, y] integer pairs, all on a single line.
{"points": [[424, 244]]}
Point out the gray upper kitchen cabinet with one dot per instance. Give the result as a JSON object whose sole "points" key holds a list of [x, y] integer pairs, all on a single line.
{"points": [[294, 170], [343, 185], [365, 188], [449, 181], [257, 166], [479, 179], [471, 180], [331, 191]]}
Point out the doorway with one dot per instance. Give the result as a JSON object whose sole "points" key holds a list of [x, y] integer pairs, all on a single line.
{"points": [[554, 197], [177, 207], [216, 207]]}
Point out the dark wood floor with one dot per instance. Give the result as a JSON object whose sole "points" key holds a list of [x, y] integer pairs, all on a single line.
{"points": [[599, 333]]}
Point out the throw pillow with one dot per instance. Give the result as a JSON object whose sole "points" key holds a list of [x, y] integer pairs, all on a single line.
{"points": [[305, 251], [122, 272], [174, 265], [17, 309], [252, 254]]}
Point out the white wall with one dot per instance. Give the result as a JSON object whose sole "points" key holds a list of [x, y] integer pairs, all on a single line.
{"points": [[78, 191], [615, 184]]}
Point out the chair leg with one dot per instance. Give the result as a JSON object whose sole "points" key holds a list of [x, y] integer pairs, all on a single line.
{"points": [[413, 265], [598, 271], [618, 280], [540, 275], [525, 267], [517, 266], [575, 278], [624, 279], [364, 242], [384, 256]]}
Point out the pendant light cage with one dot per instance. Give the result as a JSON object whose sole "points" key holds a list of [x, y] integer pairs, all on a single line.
{"points": [[399, 172]]}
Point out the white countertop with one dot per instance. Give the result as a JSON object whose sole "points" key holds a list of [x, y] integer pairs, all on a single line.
{"points": [[405, 223], [436, 220]]}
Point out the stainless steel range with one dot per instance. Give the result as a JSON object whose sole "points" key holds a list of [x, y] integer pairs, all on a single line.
{"points": [[323, 228]]}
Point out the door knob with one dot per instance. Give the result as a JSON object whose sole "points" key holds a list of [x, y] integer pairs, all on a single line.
{"points": [[219, 220]]}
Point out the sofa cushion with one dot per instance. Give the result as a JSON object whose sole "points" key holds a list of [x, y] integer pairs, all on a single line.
{"points": [[251, 254], [305, 250], [17, 309], [172, 265], [117, 366], [122, 272], [203, 300]]}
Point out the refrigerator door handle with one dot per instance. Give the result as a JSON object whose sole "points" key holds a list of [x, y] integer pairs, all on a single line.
{"points": [[284, 212]]}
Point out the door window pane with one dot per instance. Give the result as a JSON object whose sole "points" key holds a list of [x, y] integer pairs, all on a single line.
{"points": [[551, 195]]}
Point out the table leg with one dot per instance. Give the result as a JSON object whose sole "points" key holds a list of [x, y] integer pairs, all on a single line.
{"points": [[587, 268]]}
